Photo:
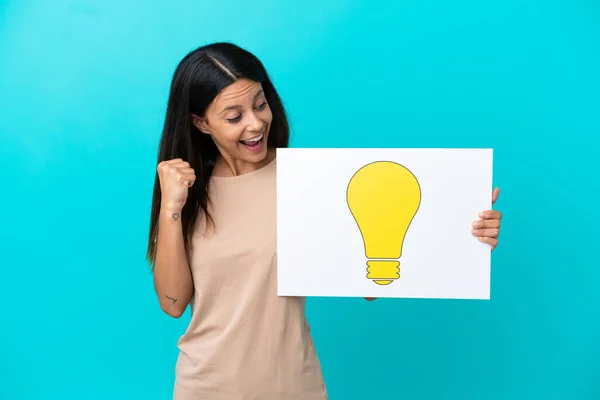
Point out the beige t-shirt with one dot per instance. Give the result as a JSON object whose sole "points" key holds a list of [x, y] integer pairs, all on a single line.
{"points": [[244, 342]]}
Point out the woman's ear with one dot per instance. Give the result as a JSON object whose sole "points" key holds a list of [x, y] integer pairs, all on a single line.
{"points": [[200, 123]]}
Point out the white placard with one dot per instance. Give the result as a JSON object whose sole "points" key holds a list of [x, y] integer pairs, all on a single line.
{"points": [[338, 209]]}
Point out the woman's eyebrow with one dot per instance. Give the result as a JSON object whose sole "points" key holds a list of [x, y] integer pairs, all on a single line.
{"points": [[237, 106]]}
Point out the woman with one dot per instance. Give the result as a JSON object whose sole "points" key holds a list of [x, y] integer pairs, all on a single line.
{"points": [[215, 203]]}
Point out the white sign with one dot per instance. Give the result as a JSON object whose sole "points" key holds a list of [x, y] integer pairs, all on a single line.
{"points": [[382, 222]]}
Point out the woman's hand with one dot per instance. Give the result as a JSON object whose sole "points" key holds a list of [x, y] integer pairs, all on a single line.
{"points": [[176, 177], [487, 228]]}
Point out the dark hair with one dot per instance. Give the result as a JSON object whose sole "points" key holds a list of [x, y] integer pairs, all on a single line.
{"points": [[199, 78]]}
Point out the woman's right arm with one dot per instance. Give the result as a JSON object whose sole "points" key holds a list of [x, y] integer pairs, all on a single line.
{"points": [[172, 276]]}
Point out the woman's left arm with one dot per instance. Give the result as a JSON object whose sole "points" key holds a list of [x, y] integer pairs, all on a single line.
{"points": [[486, 229]]}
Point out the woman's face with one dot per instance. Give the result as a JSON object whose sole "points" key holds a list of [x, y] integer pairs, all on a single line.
{"points": [[238, 121]]}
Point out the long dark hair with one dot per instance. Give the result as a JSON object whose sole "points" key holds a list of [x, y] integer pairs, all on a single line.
{"points": [[198, 79]]}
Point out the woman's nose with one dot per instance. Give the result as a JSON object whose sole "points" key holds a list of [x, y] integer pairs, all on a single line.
{"points": [[255, 123]]}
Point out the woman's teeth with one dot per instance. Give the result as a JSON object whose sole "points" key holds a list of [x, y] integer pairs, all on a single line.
{"points": [[254, 141]]}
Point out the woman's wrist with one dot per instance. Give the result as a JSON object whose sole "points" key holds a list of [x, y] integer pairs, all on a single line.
{"points": [[172, 213]]}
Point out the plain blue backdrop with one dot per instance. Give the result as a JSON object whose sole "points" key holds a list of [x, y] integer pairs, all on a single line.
{"points": [[83, 89]]}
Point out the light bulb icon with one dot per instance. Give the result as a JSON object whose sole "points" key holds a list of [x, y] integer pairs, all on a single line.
{"points": [[383, 198]]}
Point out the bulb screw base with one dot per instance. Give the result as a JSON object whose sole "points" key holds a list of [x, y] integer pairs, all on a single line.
{"points": [[383, 272]]}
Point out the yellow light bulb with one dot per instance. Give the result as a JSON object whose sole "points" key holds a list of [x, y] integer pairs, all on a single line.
{"points": [[383, 197]]}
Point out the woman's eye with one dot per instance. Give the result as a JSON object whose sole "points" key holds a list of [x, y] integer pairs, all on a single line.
{"points": [[239, 117]]}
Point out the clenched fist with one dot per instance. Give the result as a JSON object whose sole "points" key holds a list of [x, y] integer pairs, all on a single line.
{"points": [[176, 177]]}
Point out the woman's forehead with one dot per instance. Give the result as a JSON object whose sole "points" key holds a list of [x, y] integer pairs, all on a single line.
{"points": [[239, 90]]}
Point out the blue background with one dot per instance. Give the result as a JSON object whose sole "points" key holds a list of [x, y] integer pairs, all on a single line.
{"points": [[83, 88]]}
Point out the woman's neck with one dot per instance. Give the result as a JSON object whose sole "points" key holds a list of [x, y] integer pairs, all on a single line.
{"points": [[226, 166]]}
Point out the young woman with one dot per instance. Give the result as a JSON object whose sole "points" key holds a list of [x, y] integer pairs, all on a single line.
{"points": [[213, 235]]}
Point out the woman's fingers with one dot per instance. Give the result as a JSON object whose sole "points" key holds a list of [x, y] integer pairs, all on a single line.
{"points": [[492, 233], [491, 241], [486, 224], [490, 214], [495, 194]]}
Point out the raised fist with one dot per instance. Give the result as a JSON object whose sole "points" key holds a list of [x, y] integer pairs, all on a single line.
{"points": [[176, 177]]}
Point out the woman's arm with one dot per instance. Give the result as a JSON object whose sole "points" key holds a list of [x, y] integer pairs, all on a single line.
{"points": [[172, 276]]}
